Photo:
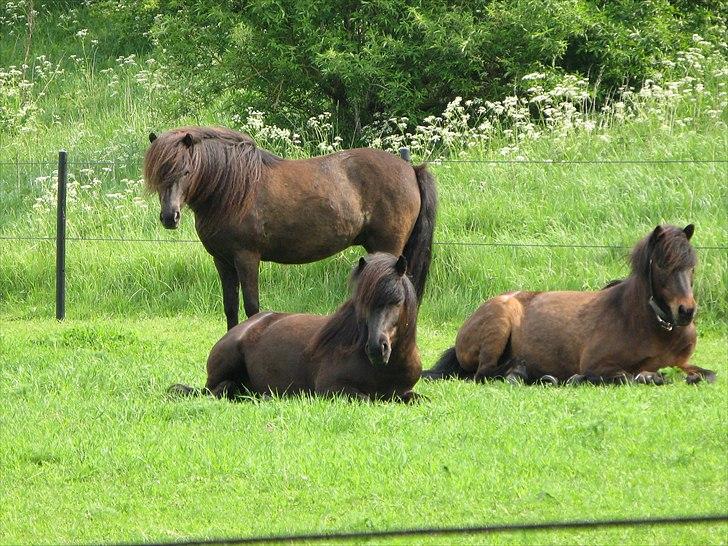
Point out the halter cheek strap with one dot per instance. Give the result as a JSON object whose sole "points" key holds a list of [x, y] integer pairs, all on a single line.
{"points": [[663, 319]]}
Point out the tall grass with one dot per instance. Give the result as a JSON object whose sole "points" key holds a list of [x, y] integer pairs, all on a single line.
{"points": [[101, 108]]}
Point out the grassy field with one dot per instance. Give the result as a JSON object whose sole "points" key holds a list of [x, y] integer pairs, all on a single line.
{"points": [[93, 450]]}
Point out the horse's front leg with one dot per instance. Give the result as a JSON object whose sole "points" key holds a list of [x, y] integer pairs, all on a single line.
{"points": [[230, 290], [599, 370], [695, 374], [338, 388], [246, 264], [410, 397]]}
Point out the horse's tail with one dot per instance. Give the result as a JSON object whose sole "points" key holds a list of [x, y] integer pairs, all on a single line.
{"points": [[448, 366], [418, 249]]}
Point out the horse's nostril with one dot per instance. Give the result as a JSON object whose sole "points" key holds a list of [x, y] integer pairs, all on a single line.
{"points": [[161, 217], [686, 312], [176, 216]]}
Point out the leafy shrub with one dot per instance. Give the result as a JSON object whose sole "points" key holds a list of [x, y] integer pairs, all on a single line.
{"points": [[404, 58]]}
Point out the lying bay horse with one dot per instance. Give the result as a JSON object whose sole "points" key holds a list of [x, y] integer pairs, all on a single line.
{"points": [[251, 205], [628, 330], [366, 349]]}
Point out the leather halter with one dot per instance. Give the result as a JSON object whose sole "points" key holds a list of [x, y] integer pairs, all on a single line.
{"points": [[663, 319]]}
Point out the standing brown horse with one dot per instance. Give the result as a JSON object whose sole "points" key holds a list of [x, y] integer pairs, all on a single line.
{"points": [[630, 329], [367, 349], [250, 205]]}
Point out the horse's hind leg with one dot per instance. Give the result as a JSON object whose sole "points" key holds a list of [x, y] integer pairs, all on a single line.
{"points": [[226, 389], [517, 372], [492, 336], [489, 359], [247, 264], [226, 371]]}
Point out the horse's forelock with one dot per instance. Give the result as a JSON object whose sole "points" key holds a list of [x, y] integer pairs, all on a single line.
{"points": [[376, 284], [674, 251], [225, 169], [162, 159], [380, 284], [671, 251]]}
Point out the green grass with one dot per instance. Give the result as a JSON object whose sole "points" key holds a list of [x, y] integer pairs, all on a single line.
{"points": [[87, 433], [92, 450], [582, 204]]}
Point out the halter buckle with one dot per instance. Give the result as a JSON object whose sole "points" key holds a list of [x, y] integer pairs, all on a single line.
{"points": [[659, 313]]}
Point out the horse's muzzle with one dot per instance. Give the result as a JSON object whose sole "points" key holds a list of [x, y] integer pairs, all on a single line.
{"points": [[685, 315], [170, 220], [379, 352]]}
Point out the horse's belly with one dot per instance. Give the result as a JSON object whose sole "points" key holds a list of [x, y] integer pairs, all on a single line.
{"points": [[549, 338], [311, 240], [274, 360]]}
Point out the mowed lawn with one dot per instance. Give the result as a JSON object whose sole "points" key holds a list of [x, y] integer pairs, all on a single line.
{"points": [[93, 450]]}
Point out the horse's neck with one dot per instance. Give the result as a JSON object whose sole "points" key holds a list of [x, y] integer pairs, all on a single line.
{"points": [[633, 302]]}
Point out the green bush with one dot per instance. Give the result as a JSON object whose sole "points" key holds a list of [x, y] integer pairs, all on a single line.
{"points": [[403, 58]]}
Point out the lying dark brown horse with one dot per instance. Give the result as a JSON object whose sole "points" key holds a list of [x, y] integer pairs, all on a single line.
{"points": [[628, 330], [367, 349], [250, 205]]}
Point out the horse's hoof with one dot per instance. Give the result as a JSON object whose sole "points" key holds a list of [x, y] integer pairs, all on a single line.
{"points": [[514, 379], [576, 379], [548, 380], [693, 378], [649, 378], [180, 390], [411, 397]]}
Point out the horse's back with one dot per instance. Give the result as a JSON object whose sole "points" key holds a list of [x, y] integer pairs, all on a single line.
{"points": [[309, 209]]}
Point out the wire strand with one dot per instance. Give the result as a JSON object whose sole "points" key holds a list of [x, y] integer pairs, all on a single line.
{"points": [[440, 243], [436, 161], [442, 531]]}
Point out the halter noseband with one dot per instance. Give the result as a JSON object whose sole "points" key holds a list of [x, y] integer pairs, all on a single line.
{"points": [[663, 319]]}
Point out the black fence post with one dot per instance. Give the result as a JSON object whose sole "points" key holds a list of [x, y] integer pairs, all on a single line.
{"points": [[61, 236], [404, 153]]}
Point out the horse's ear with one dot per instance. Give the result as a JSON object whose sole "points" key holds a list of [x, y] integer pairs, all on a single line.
{"points": [[361, 265], [654, 236], [689, 230], [187, 140], [152, 137], [401, 265]]}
